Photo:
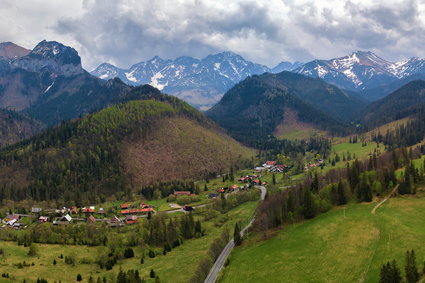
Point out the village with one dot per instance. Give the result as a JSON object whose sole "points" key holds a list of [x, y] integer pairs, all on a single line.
{"points": [[128, 213]]}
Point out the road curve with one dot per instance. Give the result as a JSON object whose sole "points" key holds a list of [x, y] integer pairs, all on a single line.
{"points": [[219, 263]]}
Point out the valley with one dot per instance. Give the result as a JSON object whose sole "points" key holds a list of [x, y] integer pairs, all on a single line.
{"points": [[216, 169]]}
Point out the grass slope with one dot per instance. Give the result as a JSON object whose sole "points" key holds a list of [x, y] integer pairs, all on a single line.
{"points": [[180, 148], [292, 128], [334, 248]]}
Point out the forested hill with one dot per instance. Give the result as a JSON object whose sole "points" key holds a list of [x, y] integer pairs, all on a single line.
{"points": [[116, 150], [15, 127], [254, 108], [404, 102]]}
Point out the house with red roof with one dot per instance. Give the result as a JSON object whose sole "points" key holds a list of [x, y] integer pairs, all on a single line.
{"points": [[182, 193], [131, 219], [135, 211], [88, 209], [91, 219]]}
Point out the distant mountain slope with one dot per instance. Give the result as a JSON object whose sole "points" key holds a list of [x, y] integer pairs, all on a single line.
{"points": [[365, 72], [407, 100], [15, 127], [255, 107], [377, 93], [201, 82], [9, 50], [116, 150], [50, 85]]}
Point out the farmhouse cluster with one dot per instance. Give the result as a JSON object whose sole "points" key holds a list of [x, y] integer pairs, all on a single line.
{"points": [[130, 213], [272, 166]]}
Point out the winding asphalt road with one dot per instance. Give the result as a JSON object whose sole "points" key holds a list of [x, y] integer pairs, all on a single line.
{"points": [[219, 263]]}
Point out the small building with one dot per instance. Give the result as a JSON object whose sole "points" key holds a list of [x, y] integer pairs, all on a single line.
{"points": [[131, 219], [101, 211], [260, 169], [36, 209], [124, 206], [64, 220], [269, 163], [144, 205], [188, 208], [182, 193], [91, 219], [235, 187], [212, 195], [88, 209], [115, 222], [73, 210], [43, 219], [135, 211], [11, 217]]}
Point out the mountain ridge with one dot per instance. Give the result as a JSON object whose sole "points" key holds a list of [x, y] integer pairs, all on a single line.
{"points": [[201, 82]]}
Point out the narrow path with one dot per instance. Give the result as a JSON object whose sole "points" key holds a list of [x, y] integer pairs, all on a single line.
{"points": [[219, 263], [384, 200]]}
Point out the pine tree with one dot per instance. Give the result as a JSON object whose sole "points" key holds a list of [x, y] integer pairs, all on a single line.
{"points": [[232, 177], [342, 198], [152, 274], [315, 184], [237, 235], [79, 277], [411, 269], [395, 272], [310, 209], [274, 179]]}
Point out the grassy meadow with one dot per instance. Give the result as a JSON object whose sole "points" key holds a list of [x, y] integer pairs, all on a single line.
{"points": [[176, 266], [346, 244]]}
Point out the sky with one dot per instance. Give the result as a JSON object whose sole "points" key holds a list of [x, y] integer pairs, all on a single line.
{"points": [[266, 32]]}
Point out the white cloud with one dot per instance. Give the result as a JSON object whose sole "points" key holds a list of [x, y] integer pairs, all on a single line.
{"points": [[125, 32]]}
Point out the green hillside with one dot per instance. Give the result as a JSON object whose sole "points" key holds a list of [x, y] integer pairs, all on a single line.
{"points": [[15, 127], [253, 109], [347, 244], [111, 152], [404, 102]]}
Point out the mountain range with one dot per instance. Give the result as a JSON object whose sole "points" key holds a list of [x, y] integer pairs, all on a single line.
{"points": [[49, 84], [201, 82], [365, 72]]}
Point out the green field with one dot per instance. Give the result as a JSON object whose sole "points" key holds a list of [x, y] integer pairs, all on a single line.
{"points": [[177, 266], [334, 248]]}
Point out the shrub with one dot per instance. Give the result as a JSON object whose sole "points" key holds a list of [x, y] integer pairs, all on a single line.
{"points": [[33, 250], [151, 255], [128, 253]]}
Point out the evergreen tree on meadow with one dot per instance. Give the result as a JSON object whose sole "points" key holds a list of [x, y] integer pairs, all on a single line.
{"points": [[310, 209], [411, 269], [237, 235], [342, 198], [390, 273], [274, 179]]}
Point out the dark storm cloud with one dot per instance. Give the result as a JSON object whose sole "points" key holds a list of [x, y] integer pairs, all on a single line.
{"points": [[126, 32]]}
